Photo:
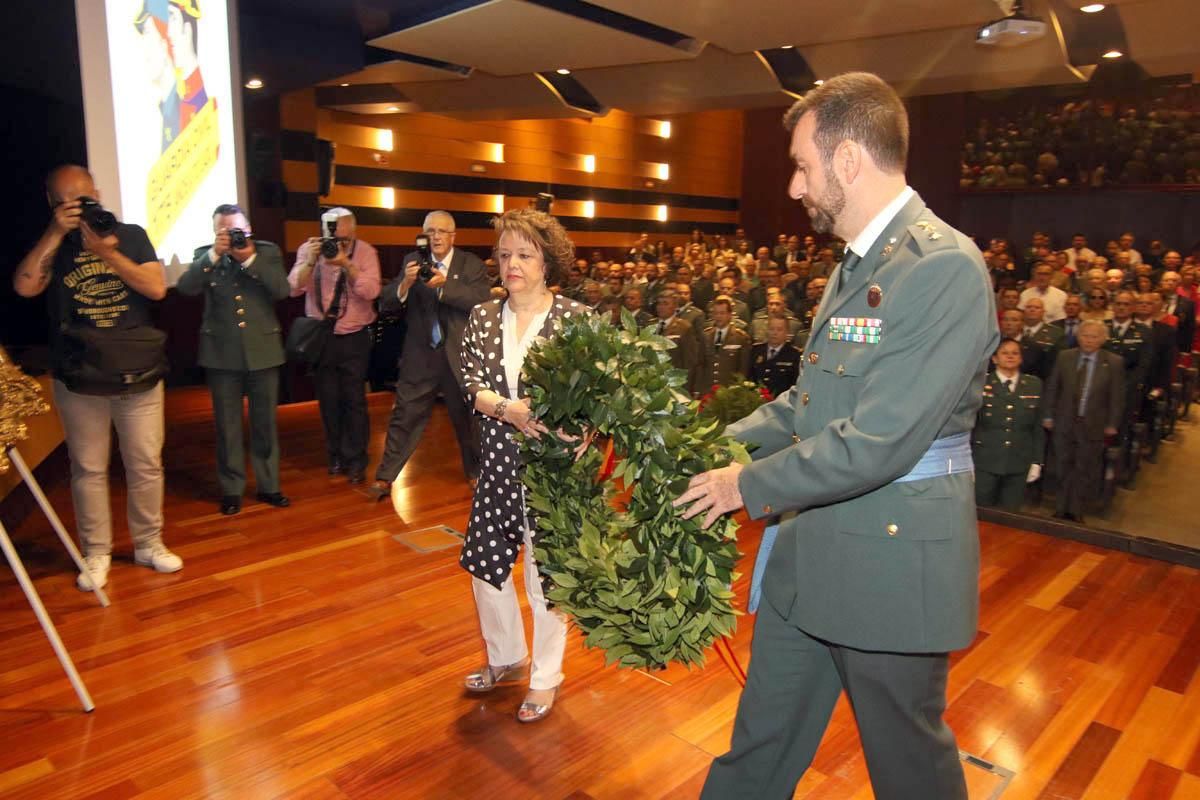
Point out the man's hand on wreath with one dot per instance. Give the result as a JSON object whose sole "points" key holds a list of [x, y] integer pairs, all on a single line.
{"points": [[715, 491]]}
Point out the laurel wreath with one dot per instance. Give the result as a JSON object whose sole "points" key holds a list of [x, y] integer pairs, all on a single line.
{"points": [[644, 585]]}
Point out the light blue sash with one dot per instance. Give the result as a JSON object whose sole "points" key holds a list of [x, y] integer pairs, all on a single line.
{"points": [[947, 456]]}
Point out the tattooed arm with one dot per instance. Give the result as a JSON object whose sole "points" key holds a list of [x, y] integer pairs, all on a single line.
{"points": [[33, 273]]}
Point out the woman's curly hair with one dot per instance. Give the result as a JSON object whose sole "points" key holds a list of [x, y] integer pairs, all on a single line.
{"points": [[546, 233]]}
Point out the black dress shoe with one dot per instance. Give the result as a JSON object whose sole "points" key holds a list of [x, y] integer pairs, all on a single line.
{"points": [[336, 468], [274, 498], [231, 504], [357, 477]]}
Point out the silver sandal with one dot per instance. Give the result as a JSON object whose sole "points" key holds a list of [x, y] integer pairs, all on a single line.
{"points": [[532, 712], [489, 677]]}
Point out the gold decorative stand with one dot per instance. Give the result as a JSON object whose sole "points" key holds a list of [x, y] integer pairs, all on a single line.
{"points": [[21, 398]]}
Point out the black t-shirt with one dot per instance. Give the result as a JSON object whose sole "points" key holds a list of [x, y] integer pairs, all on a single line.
{"points": [[84, 291]]}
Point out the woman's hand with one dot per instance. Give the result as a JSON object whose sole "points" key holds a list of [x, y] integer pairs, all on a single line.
{"points": [[583, 445], [518, 415]]}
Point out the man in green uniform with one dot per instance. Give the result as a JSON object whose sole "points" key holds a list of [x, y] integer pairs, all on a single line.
{"points": [[874, 580], [240, 350], [1040, 343], [1008, 443]]}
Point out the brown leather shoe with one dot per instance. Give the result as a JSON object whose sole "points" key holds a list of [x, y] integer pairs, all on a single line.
{"points": [[379, 490]]}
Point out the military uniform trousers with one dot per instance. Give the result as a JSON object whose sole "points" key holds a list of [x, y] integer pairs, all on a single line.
{"points": [[261, 388], [995, 490], [792, 686]]}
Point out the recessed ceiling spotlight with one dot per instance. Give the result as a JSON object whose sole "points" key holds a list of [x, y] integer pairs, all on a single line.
{"points": [[343, 84], [563, 71], [787, 47], [393, 108], [254, 83], [1113, 54], [1092, 8]]}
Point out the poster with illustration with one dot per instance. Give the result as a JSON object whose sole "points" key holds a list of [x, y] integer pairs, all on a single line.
{"points": [[172, 101]]}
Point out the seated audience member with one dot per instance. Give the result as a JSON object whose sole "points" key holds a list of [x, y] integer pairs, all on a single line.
{"points": [[1070, 323], [610, 308], [688, 312], [1126, 245], [1052, 298], [1083, 404], [1012, 325], [775, 363], [726, 348], [824, 264], [1064, 276], [727, 287], [1097, 306], [1008, 442], [1040, 342], [1092, 279], [1114, 281], [1130, 341], [1079, 249], [812, 300], [593, 293], [631, 299]]}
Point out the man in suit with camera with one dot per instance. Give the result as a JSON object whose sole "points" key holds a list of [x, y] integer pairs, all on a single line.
{"points": [[240, 349], [1084, 401], [436, 299]]}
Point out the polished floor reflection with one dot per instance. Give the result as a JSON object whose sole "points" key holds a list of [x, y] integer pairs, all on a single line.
{"points": [[304, 653]]}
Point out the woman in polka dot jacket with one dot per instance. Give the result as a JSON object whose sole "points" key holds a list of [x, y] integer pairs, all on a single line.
{"points": [[533, 253]]}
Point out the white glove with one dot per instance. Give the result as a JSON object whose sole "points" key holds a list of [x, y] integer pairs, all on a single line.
{"points": [[1035, 472]]}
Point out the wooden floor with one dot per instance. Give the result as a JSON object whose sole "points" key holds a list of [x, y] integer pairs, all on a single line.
{"points": [[304, 653]]}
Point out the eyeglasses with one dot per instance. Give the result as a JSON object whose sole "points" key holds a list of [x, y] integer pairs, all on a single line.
{"points": [[438, 231]]}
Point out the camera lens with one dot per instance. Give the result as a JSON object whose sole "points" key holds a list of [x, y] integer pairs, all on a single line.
{"points": [[329, 248], [237, 238]]}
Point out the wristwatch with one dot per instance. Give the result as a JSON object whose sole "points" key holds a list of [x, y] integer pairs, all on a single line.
{"points": [[498, 410]]}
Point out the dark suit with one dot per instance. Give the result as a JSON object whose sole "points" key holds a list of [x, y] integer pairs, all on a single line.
{"points": [[1069, 335], [1164, 354], [778, 374], [873, 580], [425, 369], [1136, 351], [1079, 438], [1185, 310], [241, 350]]}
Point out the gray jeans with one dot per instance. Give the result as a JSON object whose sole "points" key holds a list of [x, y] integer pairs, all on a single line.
{"points": [[88, 421]]}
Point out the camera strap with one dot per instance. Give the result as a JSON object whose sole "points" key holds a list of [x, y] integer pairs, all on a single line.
{"points": [[335, 305]]}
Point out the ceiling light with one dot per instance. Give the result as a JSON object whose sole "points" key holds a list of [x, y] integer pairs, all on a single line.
{"points": [[662, 172], [787, 47], [387, 197], [589, 208], [383, 139], [589, 163], [497, 204], [664, 129], [1113, 54], [1092, 8], [254, 83], [563, 71], [343, 84], [393, 108], [660, 213]]}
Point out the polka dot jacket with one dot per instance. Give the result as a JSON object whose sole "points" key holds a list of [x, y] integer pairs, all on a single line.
{"points": [[495, 529]]}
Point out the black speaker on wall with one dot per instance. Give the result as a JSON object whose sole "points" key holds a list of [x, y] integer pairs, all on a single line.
{"points": [[325, 166]]}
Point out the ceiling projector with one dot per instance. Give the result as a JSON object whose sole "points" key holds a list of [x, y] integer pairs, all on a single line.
{"points": [[1015, 29]]}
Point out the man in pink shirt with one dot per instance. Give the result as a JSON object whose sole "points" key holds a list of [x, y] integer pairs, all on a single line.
{"points": [[341, 373]]}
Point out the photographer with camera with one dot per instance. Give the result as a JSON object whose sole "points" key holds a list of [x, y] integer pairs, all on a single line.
{"points": [[108, 362], [240, 350], [439, 287], [339, 274]]}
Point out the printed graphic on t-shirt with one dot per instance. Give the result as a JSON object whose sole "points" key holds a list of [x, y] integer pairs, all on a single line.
{"points": [[98, 296]]}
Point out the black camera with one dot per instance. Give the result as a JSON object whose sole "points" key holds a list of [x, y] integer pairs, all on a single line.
{"points": [[543, 202], [426, 258], [237, 238], [329, 242], [102, 221]]}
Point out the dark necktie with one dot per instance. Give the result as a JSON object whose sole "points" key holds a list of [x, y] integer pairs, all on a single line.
{"points": [[772, 352], [435, 334], [662, 327], [848, 264], [1070, 333], [1008, 384], [1082, 379], [719, 339]]}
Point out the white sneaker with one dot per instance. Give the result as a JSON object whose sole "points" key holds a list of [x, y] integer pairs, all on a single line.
{"points": [[158, 557], [97, 570]]}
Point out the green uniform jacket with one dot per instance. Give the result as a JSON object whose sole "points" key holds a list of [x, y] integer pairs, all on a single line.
{"points": [[240, 330], [1040, 351], [1009, 435], [866, 562]]}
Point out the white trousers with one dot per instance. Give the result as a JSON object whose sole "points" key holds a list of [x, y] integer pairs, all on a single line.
{"points": [[504, 631]]}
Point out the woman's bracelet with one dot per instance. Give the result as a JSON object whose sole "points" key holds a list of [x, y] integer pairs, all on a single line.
{"points": [[498, 409]]}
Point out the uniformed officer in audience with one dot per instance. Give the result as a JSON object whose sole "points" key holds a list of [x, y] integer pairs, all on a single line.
{"points": [[1008, 442], [1040, 342], [775, 307], [241, 279], [1069, 324], [775, 363], [1164, 349], [726, 348], [686, 353], [1133, 342]]}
